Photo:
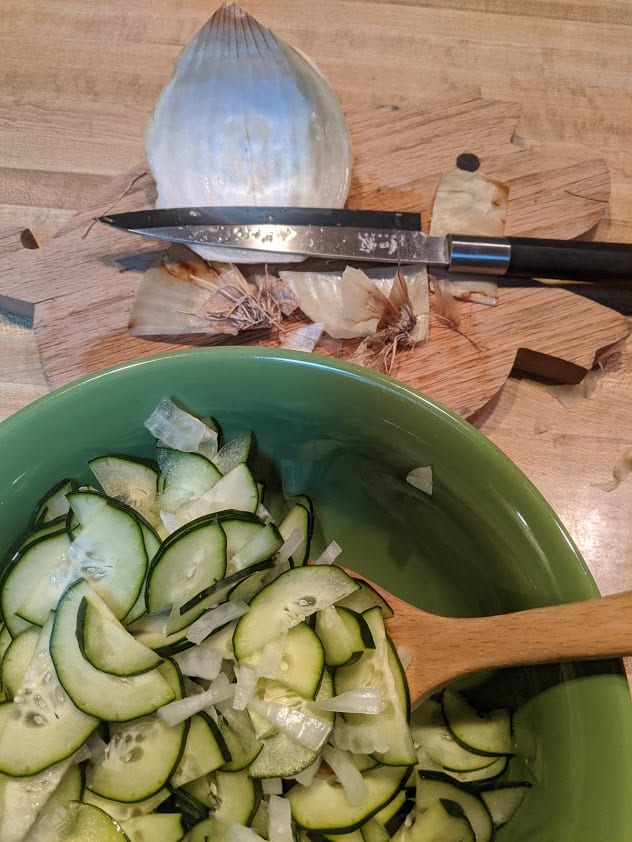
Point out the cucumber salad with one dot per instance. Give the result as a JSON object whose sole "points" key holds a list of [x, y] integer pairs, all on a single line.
{"points": [[176, 665]]}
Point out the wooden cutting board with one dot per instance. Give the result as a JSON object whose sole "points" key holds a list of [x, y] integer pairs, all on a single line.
{"points": [[79, 286]]}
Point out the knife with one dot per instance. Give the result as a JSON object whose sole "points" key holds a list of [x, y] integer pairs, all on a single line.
{"points": [[378, 236]]}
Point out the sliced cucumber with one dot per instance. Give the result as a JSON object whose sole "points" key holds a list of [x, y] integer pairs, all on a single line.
{"points": [[54, 503], [17, 658], [435, 787], [106, 643], [184, 478], [139, 759], [189, 560], [381, 668], [109, 697], [344, 633], [443, 821], [41, 726], [323, 806], [366, 597], [157, 827], [82, 823], [236, 450], [130, 480], [503, 800], [300, 517], [235, 490], [435, 740], [27, 571], [205, 750], [489, 733], [108, 551], [121, 811], [282, 755], [239, 736], [232, 798], [22, 799], [286, 602], [261, 547]]}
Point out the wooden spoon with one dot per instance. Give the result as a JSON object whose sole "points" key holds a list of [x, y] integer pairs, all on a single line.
{"points": [[446, 648]]}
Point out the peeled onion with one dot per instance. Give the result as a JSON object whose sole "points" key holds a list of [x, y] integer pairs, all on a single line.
{"points": [[247, 120]]}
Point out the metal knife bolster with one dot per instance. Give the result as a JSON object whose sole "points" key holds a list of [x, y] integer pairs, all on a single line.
{"points": [[479, 255]]}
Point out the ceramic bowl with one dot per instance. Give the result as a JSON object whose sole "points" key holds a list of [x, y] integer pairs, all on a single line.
{"points": [[484, 542]]}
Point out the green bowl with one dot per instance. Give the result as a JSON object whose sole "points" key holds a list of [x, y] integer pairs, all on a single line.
{"points": [[484, 542]]}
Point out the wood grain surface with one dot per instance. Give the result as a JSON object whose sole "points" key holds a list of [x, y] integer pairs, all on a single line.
{"points": [[79, 80], [83, 281]]}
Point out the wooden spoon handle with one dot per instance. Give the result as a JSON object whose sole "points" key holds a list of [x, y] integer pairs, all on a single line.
{"points": [[594, 628]]}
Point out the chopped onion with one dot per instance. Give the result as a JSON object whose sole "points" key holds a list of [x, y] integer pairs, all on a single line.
{"points": [[182, 709], [213, 619], [199, 662], [421, 478], [272, 786], [176, 428], [347, 773], [405, 656], [305, 777], [269, 664], [244, 687], [329, 554], [364, 700], [279, 820], [309, 731]]}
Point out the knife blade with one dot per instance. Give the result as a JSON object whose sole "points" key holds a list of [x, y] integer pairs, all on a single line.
{"points": [[379, 236]]}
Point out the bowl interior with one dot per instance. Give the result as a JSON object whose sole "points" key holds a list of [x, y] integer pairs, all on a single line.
{"points": [[484, 542]]}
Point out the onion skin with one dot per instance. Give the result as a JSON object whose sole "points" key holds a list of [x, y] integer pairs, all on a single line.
{"points": [[247, 120]]}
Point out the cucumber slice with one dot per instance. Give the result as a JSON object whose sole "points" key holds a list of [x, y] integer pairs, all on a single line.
{"points": [[302, 663], [261, 547], [28, 569], [184, 478], [139, 759], [345, 635], [232, 797], [503, 800], [239, 736], [236, 450], [109, 697], [366, 597], [83, 822], [17, 658], [235, 490], [489, 733], [381, 668], [22, 799], [108, 551], [157, 827], [189, 560], [287, 601], [323, 806], [434, 787], [299, 517], [41, 726], [443, 821], [106, 643], [130, 480], [283, 756], [435, 740], [204, 751], [54, 503], [121, 811]]}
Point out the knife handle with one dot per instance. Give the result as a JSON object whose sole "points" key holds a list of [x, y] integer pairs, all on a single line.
{"points": [[524, 257]]}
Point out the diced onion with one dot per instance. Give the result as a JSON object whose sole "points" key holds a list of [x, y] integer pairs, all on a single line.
{"points": [[421, 478], [405, 656], [199, 662], [329, 554], [245, 687], [359, 738], [269, 664], [347, 773], [207, 623], [290, 545], [176, 428], [305, 777], [272, 786], [182, 709], [279, 820], [309, 731], [364, 700]]}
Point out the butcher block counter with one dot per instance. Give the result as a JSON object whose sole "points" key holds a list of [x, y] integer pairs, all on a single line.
{"points": [[540, 92]]}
